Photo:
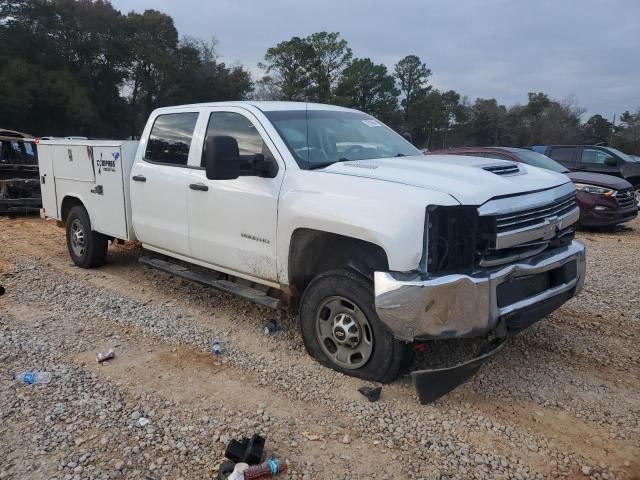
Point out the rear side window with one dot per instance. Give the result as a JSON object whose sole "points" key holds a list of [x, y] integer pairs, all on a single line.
{"points": [[170, 138], [562, 154], [231, 124]]}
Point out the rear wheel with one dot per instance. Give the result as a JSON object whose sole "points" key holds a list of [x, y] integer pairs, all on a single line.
{"points": [[87, 248], [342, 331]]}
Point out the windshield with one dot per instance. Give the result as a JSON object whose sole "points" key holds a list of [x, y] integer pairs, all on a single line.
{"points": [[538, 160], [318, 138], [623, 156]]}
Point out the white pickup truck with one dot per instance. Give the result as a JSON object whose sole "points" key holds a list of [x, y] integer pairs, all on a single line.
{"points": [[329, 211]]}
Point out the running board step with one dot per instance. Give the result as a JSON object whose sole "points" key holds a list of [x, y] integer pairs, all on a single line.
{"points": [[211, 280]]}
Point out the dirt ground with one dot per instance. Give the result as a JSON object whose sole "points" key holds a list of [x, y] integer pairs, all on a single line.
{"points": [[561, 401]]}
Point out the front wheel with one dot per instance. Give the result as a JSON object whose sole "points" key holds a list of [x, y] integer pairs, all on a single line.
{"points": [[341, 329], [87, 248]]}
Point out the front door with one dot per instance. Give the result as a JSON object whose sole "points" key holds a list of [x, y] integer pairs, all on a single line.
{"points": [[159, 183], [232, 223], [598, 161]]}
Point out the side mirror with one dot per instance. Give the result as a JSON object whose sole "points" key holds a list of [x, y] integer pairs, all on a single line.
{"points": [[222, 158], [611, 161]]}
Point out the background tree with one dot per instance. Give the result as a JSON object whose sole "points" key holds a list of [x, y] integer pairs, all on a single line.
{"points": [[306, 68], [330, 55], [370, 88], [597, 130], [413, 76], [287, 69]]}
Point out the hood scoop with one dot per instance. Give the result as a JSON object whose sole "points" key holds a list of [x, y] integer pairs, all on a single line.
{"points": [[504, 169]]}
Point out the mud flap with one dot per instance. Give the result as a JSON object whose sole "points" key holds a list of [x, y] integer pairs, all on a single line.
{"points": [[434, 383]]}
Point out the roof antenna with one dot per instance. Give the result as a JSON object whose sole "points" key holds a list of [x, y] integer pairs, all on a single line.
{"points": [[306, 117]]}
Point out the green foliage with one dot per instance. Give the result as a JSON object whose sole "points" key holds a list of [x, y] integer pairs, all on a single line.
{"points": [[306, 68], [370, 88], [73, 67], [413, 76], [80, 67]]}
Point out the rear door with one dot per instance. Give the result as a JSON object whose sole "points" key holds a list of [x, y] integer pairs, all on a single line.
{"points": [[159, 181], [566, 156]]}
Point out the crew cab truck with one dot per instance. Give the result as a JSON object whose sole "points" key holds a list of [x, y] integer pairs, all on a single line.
{"points": [[327, 210]]}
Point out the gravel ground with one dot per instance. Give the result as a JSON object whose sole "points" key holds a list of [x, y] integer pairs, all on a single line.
{"points": [[562, 400]]}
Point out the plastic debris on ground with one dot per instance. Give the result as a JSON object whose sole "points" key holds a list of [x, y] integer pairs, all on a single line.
{"points": [[104, 356], [31, 378]]}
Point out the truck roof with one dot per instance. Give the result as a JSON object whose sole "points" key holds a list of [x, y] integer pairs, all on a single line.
{"points": [[264, 106]]}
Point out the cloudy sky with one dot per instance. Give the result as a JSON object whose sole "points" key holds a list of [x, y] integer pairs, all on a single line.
{"points": [[480, 48]]}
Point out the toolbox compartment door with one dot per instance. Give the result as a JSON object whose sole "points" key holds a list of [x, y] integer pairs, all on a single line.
{"points": [[47, 182]]}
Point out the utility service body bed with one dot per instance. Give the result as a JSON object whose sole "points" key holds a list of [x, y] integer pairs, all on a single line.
{"points": [[96, 172]]}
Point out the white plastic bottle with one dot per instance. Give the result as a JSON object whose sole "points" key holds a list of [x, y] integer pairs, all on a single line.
{"points": [[31, 378], [238, 472]]}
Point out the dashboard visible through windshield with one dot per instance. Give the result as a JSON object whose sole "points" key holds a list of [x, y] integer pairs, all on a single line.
{"points": [[318, 138]]}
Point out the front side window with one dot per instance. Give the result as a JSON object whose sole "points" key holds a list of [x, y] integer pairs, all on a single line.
{"points": [[596, 157], [231, 124], [318, 138], [170, 138]]}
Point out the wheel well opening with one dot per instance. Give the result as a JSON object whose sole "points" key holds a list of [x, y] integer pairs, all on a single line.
{"points": [[313, 252], [67, 204]]}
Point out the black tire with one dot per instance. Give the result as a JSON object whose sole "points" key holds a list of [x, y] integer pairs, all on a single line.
{"points": [[93, 249], [387, 357]]}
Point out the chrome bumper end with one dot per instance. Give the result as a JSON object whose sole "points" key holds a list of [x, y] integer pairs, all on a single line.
{"points": [[450, 306]]}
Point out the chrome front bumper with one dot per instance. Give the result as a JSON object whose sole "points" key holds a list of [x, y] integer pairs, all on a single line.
{"points": [[457, 305]]}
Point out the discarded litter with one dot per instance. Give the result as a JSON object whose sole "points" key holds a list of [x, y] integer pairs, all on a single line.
{"points": [[226, 468], [104, 356], [216, 347], [31, 378], [247, 450], [143, 422], [372, 393], [270, 468], [270, 327], [238, 472]]}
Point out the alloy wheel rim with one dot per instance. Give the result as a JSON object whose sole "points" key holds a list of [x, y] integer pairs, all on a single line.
{"points": [[344, 332]]}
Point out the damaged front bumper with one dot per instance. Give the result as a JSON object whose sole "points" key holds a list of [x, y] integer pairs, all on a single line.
{"points": [[501, 302], [474, 305]]}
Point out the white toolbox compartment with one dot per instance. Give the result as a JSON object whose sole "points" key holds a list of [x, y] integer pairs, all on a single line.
{"points": [[95, 172]]}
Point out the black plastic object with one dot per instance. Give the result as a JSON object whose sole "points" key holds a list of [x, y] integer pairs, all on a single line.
{"points": [[225, 470], [372, 393], [247, 450], [1, 290], [434, 383]]}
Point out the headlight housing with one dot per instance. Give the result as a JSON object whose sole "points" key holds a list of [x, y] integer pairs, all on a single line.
{"points": [[585, 187]]}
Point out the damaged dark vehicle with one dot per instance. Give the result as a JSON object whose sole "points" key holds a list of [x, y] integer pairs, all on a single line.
{"points": [[19, 177]]}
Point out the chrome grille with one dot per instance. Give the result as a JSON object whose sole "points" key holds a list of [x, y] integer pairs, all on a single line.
{"points": [[625, 198], [509, 169], [534, 216]]}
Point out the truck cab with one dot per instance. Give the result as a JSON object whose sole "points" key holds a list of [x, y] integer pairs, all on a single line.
{"points": [[326, 210]]}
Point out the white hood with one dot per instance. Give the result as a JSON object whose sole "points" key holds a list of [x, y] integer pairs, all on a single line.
{"points": [[460, 176]]}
